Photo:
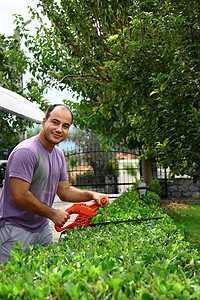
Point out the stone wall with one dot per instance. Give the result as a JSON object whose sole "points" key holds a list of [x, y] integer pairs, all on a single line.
{"points": [[183, 190]]}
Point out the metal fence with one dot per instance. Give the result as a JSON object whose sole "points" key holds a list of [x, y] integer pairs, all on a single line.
{"points": [[109, 172]]}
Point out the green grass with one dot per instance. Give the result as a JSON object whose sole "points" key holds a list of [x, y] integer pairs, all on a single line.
{"points": [[187, 218]]}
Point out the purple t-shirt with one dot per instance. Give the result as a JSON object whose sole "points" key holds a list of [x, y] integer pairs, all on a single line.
{"points": [[43, 169]]}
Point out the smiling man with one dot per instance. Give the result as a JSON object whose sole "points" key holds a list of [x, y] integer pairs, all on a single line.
{"points": [[35, 173]]}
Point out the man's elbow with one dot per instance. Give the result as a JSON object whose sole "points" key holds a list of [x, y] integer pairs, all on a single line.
{"points": [[19, 190], [15, 198], [63, 192], [18, 198]]}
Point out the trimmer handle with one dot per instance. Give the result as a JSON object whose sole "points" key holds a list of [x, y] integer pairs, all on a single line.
{"points": [[85, 214]]}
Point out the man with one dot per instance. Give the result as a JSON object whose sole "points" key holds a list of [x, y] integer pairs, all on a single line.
{"points": [[35, 173]]}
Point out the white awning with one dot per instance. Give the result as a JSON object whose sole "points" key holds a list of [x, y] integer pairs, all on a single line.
{"points": [[16, 104]]}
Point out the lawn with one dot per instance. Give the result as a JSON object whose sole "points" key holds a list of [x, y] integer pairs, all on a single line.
{"points": [[187, 218]]}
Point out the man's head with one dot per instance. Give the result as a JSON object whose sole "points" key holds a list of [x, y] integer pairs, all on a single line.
{"points": [[51, 108], [55, 125]]}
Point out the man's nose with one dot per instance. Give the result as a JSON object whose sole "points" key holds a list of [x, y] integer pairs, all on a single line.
{"points": [[59, 128]]}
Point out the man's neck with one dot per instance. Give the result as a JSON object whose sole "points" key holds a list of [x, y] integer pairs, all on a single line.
{"points": [[44, 141]]}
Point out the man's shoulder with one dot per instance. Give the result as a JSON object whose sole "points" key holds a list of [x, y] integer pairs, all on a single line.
{"points": [[58, 152], [57, 149], [28, 143], [26, 147]]}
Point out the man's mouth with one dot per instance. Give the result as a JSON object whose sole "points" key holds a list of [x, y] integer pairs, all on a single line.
{"points": [[57, 135]]}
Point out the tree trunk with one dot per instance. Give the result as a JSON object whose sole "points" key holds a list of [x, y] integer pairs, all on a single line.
{"points": [[146, 170]]}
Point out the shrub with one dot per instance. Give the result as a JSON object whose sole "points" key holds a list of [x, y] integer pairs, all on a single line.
{"points": [[152, 199], [155, 187], [136, 260]]}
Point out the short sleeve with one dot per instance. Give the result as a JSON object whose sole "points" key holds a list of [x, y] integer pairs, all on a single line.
{"points": [[23, 164]]}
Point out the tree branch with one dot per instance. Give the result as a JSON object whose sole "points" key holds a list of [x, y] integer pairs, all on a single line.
{"points": [[79, 54], [97, 82]]}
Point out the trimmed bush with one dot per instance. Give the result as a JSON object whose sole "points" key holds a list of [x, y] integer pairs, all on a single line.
{"points": [[146, 260]]}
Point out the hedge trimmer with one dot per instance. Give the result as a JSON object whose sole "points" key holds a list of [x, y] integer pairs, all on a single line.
{"points": [[87, 212]]}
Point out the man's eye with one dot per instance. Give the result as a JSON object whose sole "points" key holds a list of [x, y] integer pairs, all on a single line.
{"points": [[65, 126]]}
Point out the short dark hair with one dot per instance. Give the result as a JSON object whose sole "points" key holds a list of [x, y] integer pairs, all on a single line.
{"points": [[51, 108]]}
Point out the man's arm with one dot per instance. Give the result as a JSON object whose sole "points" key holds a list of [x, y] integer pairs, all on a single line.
{"points": [[22, 196], [68, 193]]}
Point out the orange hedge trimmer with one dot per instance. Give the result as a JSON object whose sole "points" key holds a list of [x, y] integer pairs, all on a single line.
{"points": [[87, 212]]}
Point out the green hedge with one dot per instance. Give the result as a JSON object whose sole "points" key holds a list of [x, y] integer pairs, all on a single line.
{"points": [[147, 260]]}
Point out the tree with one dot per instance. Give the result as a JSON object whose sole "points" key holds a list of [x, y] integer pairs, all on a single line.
{"points": [[33, 131], [13, 64], [135, 65]]}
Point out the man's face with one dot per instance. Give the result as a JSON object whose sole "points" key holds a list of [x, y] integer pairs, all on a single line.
{"points": [[56, 127]]}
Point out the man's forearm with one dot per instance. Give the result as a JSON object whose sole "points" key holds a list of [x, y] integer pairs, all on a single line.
{"points": [[22, 196], [73, 194], [30, 203], [33, 205]]}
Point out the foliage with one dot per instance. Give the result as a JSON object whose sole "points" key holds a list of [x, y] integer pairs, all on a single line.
{"points": [[111, 167], [94, 153], [152, 199], [141, 260], [87, 179], [9, 130], [33, 131], [131, 170], [155, 187], [83, 139], [135, 65], [13, 64]]}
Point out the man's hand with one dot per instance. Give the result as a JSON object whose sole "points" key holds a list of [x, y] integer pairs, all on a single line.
{"points": [[60, 217], [97, 198]]}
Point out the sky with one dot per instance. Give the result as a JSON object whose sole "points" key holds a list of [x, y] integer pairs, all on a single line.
{"points": [[7, 9], [10, 7]]}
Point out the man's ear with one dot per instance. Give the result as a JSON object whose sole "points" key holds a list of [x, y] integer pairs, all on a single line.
{"points": [[43, 122]]}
